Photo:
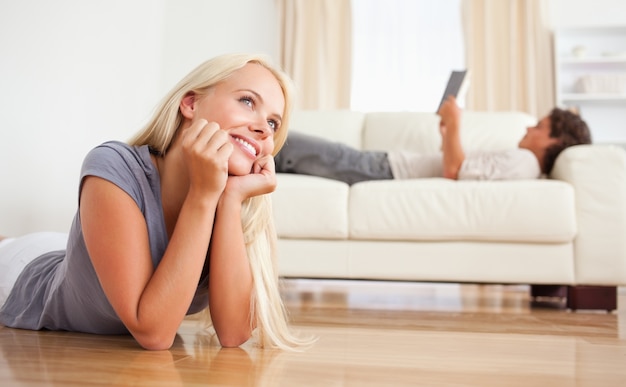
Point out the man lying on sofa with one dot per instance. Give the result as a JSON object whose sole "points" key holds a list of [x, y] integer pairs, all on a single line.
{"points": [[535, 155]]}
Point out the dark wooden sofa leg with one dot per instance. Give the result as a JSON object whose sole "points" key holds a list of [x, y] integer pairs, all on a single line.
{"points": [[548, 291], [577, 297], [548, 296], [592, 297]]}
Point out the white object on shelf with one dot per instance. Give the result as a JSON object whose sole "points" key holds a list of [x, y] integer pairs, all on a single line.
{"points": [[579, 51], [601, 83], [614, 54]]}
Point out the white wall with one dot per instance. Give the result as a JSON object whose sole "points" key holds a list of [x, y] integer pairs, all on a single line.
{"points": [[74, 73], [196, 30], [587, 13]]}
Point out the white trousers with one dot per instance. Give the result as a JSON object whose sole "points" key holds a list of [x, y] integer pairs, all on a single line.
{"points": [[16, 253]]}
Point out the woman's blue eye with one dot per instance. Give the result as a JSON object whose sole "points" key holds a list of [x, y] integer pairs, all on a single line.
{"points": [[247, 100]]}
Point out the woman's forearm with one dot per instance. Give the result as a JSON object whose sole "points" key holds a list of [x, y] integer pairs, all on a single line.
{"points": [[167, 296], [230, 281]]}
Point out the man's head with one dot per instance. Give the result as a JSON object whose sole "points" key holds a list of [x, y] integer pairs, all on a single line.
{"points": [[569, 129], [555, 132]]}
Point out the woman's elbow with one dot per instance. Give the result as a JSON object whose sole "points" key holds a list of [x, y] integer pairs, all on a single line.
{"points": [[234, 339], [155, 342]]}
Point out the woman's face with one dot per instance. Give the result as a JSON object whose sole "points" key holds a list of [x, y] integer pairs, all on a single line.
{"points": [[249, 106]]}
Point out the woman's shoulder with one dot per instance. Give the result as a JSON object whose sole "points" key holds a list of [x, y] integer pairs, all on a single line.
{"points": [[115, 146], [118, 152], [127, 166], [117, 158]]}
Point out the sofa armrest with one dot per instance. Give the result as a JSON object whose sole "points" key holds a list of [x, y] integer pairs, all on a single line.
{"points": [[598, 175]]}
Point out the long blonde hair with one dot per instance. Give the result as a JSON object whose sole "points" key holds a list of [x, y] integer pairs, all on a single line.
{"points": [[256, 217]]}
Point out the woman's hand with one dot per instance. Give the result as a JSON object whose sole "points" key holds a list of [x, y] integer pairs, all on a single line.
{"points": [[261, 180], [206, 149]]}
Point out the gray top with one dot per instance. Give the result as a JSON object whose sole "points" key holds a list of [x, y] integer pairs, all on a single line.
{"points": [[60, 289]]}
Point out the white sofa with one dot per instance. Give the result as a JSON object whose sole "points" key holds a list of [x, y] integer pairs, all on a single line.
{"points": [[564, 235]]}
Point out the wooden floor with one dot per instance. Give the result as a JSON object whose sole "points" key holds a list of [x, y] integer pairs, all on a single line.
{"points": [[369, 334]]}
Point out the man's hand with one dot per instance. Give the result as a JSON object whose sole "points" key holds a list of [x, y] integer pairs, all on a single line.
{"points": [[450, 114]]}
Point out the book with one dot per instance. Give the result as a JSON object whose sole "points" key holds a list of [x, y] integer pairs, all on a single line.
{"points": [[457, 86]]}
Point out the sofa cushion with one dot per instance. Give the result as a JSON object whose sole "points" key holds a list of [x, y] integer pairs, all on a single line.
{"points": [[441, 209], [310, 207]]}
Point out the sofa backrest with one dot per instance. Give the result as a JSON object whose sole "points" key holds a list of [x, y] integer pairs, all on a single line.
{"points": [[345, 126], [417, 131]]}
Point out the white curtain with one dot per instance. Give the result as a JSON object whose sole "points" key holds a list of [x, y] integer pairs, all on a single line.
{"points": [[508, 48], [315, 50]]}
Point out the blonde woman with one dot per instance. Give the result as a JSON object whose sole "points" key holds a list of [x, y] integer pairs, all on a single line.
{"points": [[175, 221]]}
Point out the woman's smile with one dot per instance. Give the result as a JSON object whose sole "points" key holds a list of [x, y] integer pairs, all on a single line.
{"points": [[248, 145]]}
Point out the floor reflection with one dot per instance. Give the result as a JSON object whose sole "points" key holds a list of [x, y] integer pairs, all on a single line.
{"points": [[63, 358], [406, 296]]}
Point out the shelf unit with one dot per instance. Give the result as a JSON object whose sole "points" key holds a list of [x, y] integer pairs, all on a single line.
{"points": [[593, 52]]}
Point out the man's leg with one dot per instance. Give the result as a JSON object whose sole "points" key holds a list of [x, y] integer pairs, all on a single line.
{"points": [[309, 155]]}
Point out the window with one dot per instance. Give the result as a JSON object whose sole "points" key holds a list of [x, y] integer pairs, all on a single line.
{"points": [[403, 52]]}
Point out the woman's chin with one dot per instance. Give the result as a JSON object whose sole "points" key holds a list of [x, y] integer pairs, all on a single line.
{"points": [[239, 169]]}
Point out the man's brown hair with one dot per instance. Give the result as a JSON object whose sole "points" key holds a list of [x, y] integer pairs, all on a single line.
{"points": [[570, 129]]}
